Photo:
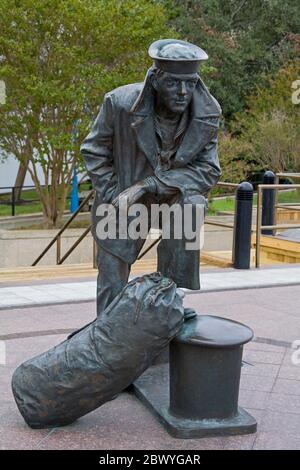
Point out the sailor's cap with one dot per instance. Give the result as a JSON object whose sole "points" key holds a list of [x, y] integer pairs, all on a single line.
{"points": [[175, 56]]}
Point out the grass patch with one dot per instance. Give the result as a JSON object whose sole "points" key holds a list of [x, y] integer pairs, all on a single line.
{"points": [[5, 210], [215, 206], [228, 204], [33, 205]]}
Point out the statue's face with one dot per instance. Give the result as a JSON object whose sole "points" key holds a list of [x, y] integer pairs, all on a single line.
{"points": [[175, 91]]}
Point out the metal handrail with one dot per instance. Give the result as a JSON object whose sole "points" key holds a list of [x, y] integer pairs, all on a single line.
{"points": [[223, 183], [70, 250], [259, 226], [289, 175], [218, 224], [279, 175], [287, 207], [57, 238]]}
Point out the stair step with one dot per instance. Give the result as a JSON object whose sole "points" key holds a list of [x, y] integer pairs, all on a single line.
{"points": [[29, 273]]}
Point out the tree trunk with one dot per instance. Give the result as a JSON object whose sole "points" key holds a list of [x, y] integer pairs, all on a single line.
{"points": [[54, 206], [19, 182]]}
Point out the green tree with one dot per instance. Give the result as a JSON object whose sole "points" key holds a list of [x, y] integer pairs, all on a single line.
{"points": [[57, 59], [272, 122], [269, 130], [232, 153], [246, 40]]}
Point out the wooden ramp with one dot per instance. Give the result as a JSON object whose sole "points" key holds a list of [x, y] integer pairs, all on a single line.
{"points": [[278, 250]]}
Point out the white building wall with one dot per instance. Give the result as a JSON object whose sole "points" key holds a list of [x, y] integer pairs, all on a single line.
{"points": [[8, 173]]}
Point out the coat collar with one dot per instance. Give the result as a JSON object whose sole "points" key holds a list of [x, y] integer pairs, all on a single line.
{"points": [[204, 119]]}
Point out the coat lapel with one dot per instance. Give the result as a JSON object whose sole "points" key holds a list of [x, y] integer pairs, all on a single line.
{"points": [[142, 120], [198, 134], [143, 126], [203, 126]]}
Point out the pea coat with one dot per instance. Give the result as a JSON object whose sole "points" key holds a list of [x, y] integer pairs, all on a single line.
{"points": [[121, 150]]}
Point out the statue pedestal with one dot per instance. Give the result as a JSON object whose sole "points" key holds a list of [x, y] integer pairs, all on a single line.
{"points": [[196, 394]]}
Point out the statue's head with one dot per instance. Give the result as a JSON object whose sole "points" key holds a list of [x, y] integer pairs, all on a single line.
{"points": [[176, 72], [174, 91]]}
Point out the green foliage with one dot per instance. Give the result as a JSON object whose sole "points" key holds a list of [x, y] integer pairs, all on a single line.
{"points": [[57, 59], [233, 161], [271, 125], [252, 47], [245, 39]]}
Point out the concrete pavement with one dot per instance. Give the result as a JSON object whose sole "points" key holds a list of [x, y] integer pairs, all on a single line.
{"points": [[270, 383], [220, 280]]}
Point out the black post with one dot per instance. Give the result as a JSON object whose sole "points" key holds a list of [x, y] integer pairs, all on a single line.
{"points": [[13, 202], [242, 226], [268, 203]]}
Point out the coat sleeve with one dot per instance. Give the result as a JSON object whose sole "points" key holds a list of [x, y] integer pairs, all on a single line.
{"points": [[199, 175], [97, 151]]}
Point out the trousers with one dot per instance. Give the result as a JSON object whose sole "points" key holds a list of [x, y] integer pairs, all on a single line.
{"points": [[174, 260]]}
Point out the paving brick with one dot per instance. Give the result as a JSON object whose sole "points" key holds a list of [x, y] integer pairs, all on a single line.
{"points": [[270, 389], [255, 383], [261, 370], [253, 399], [264, 357], [289, 372], [277, 441], [274, 421], [284, 403], [286, 386]]}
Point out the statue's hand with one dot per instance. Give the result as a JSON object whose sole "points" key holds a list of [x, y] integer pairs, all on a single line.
{"points": [[130, 195]]}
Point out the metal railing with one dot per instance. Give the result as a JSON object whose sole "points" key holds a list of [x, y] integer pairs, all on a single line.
{"points": [[13, 201], [8, 198], [259, 226], [284, 206], [57, 239], [208, 222], [256, 229]]}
